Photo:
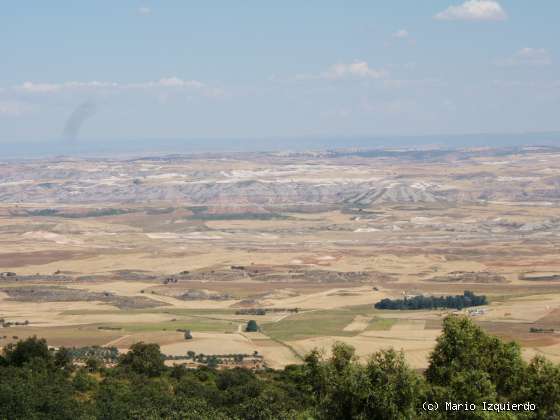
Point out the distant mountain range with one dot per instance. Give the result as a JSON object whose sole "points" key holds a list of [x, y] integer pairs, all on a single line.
{"points": [[359, 178]]}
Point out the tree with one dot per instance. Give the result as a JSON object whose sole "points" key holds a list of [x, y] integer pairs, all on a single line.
{"points": [[93, 364], [541, 386], [83, 381], [237, 387], [114, 399], [467, 299], [342, 388], [212, 362], [192, 387], [392, 390], [36, 391], [464, 347], [25, 351], [63, 359], [178, 371], [343, 380], [144, 359], [467, 365], [252, 326]]}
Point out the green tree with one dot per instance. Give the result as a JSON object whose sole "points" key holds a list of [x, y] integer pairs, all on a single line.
{"points": [[144, 359], [464, 347], [25, 351], [542, 387], [212, 362], [178, 371], [252, 326], [336, 382], [114, 400], [93, 364], [83, 381], [392, 390], [36, 391], [190, 386], [63, 359], [343, 388]]}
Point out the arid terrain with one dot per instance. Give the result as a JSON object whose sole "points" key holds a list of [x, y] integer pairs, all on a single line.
{"points": [[112, 251]]}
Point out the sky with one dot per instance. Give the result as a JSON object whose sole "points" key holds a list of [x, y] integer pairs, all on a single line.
{"points": [[79, 71]]}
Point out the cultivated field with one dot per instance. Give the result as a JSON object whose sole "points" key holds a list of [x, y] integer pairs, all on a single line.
{"points": [[112, 252]]}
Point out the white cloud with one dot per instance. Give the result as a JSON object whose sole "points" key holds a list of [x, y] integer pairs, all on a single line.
{"points": [[401, 34], [39, 87], [474, 10], [164, 86], [167, 82], [32, 87], [163, 83], [528, 57], [357, 69], [144, 11]]}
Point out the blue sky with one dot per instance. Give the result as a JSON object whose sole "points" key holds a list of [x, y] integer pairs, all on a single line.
{"points": [[222, 69]]}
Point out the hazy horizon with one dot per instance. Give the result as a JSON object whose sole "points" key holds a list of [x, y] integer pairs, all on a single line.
{"points": [[142, 147]]}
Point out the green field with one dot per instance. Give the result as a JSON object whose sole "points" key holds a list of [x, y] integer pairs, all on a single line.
{"points": [[172, 311], [310, 324], [194, 324], [381, 324]]}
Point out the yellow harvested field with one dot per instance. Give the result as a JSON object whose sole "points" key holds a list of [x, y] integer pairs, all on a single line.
{"points": [[408, 326], [416, 348], [333, 298], [275, 354], [160, 337], [359, 323], [122, 288], [48, 314], [211, 343]]}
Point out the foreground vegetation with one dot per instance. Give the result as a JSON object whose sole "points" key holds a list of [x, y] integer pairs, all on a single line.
{"points": [[467, 365]]}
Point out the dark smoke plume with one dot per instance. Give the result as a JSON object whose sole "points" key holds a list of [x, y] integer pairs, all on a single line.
{"points": [[77, 118]]}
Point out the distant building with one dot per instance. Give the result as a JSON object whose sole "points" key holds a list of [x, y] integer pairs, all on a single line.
{"points": [[476, 311]]}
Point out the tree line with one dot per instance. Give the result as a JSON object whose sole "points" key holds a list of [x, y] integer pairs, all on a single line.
{"points": [[466, 300], [466, 365]]}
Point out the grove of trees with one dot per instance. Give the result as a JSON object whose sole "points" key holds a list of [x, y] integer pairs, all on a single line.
{"points": [[466, 300], [466, 365]]}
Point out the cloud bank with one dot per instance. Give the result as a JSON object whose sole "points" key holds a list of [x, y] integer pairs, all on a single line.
{"points": [[356, 70], [166, 82], [474, 10]]}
